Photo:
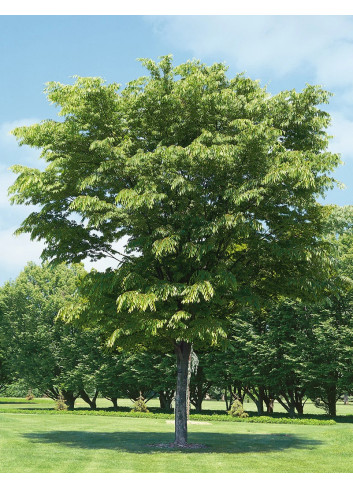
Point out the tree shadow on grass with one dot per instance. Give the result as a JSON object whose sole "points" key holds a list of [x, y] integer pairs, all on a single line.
{"points": [[19, 403], [140, 442]]}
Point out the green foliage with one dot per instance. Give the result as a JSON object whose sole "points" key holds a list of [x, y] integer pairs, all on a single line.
{"points": [[30, 395], [237, 410], [213, 182], [319, 403], [46, 353], [19, 388], [140, 405], [60, 404], [5, 376]]}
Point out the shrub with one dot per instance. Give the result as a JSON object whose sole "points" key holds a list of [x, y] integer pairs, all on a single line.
{"points": [[140, 405], [30, 395], [60, 404], [237, 410], [19, 389]]}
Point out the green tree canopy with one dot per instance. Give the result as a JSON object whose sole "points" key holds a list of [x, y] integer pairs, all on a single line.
{"points": [[213, 181], [47, 353]]}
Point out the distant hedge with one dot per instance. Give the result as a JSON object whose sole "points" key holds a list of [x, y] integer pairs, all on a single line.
{"points": [[193, 417]]}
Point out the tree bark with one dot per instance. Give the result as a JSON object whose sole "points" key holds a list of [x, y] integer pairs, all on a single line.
{"points": [[269, 405], [288, 403], [70, 399], [183, 352], [260, 406], [198, 406], [257, 400], [291, 410], [165, 399], [162, 400], [188, 386], [240, 394], [91, 402], [300, 409], [331, 400], [299, 400], [226, 398], [114, 400]]}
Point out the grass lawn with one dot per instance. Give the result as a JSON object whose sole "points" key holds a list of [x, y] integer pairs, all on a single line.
{"points": [[56, 443]]}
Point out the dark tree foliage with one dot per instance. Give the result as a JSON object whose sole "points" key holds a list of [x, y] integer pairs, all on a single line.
{"points": [[43, 351]]}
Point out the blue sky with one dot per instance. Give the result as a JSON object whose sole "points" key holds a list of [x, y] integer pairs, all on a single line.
{"points": [[283, 52]]}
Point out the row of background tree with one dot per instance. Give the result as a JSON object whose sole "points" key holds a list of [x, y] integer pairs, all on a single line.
{"points": [[286, 350]]}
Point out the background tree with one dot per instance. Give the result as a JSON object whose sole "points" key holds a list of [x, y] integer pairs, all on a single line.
{"points": [[46, 353], [202, 379], [212, 180], [108, 376], [148, 373], [5, 377], [331, 357], [163, 381]]}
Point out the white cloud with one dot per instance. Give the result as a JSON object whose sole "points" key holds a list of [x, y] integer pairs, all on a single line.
{"points": [[6, 179], [11, 153], [15, 252], [276, 45], [342, 132], [7, 127]]}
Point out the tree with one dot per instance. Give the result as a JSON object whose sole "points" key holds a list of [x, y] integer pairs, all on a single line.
{"points": [[108, 377], [200, 381], [4, 373], [163, 369], [212, 180], [331, 355], [46, 353], [293, 350]]}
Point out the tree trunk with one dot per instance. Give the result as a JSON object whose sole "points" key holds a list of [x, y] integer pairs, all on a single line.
{"points": [[269, 405], [183, 352], [257, 400], [114, 400], [260, 405], [300, 409], [94, 400], [291, 410], [188, 386], [240, 395], [165, 399], [299, 400], [91, 402], [198, 404], [331, 400], [164, 403], [288, 403], [198, 389], [70, 399], [226, 399], [268, 400]]}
